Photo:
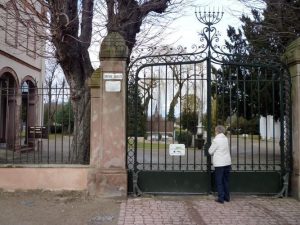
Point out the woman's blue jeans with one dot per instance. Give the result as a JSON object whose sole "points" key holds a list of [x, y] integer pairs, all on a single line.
{"points": [[222, 182]]}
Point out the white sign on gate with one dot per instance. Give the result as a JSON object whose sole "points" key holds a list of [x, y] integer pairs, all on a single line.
{"points": [[177, 149]]}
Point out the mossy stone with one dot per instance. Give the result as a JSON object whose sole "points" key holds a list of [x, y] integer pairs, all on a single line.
{"points": [[113, 46], [94, 80], [292, 53]]}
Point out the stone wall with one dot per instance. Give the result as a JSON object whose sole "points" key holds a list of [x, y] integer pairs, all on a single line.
{"points": [[48, 177]]}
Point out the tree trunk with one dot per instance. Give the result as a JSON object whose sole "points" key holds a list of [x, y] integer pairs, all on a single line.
{"points": [[81, 135], [129, 16], [171, 113], [80, 99], [73, 56], [72, 39]]}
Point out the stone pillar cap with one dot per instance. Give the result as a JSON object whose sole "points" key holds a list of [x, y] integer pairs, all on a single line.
{"points": [[292, 53], [113, 46]]}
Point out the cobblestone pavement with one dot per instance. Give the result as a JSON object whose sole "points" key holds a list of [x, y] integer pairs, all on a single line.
{"points": [[203, 210]]}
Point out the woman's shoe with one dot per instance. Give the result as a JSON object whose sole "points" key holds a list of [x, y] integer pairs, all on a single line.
{"points": [[219, 201]]}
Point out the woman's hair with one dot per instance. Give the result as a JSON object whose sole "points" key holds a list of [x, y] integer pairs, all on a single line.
{"points": [[220, 129]]}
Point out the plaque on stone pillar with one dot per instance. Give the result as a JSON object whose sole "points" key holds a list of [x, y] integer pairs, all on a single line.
{"points": [[113, 76], [112, 86]]}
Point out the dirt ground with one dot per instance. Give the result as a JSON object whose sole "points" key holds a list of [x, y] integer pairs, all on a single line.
{"points": [[57, 208]]}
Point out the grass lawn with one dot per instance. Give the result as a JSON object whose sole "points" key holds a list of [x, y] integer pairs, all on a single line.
{"points": [[254, 136], [59, 136], [155, 145]]}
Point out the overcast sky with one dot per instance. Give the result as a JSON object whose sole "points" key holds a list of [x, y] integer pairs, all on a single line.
{"points": [[185, 30], [187, 27]]}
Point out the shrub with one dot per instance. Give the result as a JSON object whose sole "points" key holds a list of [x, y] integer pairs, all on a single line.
{"points": [[55, 129], [243, 126], [184, 137]]}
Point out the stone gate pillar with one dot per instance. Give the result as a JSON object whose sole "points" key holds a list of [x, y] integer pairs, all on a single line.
{"points": [[292, 58], [13, 124], [108, 175]]}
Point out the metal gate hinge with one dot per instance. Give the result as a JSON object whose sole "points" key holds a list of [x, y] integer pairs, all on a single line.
{"points": [[285, 188], [136, 190]]}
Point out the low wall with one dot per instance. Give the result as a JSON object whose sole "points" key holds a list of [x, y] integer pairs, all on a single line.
{"points": [[50, 177]]}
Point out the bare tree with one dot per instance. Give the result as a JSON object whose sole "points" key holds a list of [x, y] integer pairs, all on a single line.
{"points": [[53, 87], [68, 25], [147, 87], [182, 76]]}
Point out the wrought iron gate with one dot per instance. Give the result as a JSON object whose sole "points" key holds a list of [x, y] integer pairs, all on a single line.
{"points": [[178, 98]]}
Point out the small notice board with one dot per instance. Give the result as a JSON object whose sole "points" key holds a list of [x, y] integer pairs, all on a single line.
{"points": [[38, 132], [177, 149]]}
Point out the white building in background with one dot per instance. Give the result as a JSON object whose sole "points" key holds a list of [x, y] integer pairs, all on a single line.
{"points": [[21, 70], [269, 128]]}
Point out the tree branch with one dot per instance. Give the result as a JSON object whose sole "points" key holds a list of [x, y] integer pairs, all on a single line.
{"points": [[158, 6], [86, 23]]}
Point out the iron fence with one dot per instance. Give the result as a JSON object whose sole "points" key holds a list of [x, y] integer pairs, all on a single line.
{"points": [[169, 106], [36, 126]]}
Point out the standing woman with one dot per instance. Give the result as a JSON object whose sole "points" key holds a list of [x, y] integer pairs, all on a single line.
{"points": [[219, 150]]}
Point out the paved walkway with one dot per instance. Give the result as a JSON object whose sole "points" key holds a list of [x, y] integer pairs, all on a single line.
{"points": [[203, 210]]}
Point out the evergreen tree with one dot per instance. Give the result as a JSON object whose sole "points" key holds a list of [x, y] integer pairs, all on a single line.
{"points": [[137, 117], [250, 92], [271, 29]]}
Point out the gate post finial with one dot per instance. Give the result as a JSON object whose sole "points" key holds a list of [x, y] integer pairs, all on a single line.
{"points": [[113, 46]]}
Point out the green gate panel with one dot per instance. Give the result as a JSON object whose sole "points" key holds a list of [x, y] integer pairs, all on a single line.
{"points": [[129, 182], [200, 182], [174, 182], [254, 182]]}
